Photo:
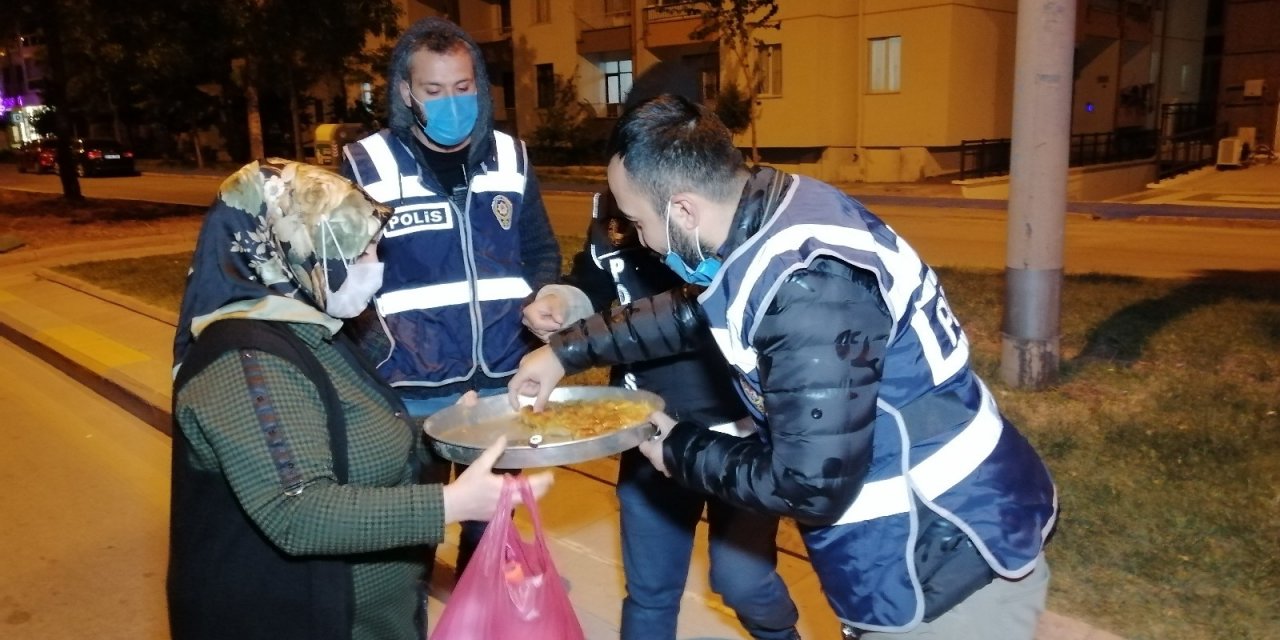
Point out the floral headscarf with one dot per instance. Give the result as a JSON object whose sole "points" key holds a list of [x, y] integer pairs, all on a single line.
{"points": [[276, 234]]}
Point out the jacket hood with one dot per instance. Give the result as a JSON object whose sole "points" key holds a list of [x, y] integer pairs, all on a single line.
{"points": [[399, 115]]}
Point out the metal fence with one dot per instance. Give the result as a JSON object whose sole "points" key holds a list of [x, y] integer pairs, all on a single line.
{"points": [[1189, 138], [983, 158]]}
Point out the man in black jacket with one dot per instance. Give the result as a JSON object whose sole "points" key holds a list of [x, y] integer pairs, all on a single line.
{"points": [[924, 512], [656, 512]]}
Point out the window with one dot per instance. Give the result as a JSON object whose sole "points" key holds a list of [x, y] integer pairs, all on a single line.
{"points": [[617, 83], [769, 72], [885, 60], [541, 11], [707, 66], [508, 90], [546, 77], [617, 6]]}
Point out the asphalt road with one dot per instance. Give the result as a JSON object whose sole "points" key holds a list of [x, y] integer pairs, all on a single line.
{"points": [[194, 190], [86, 510], [569, 212], [944, 236]]}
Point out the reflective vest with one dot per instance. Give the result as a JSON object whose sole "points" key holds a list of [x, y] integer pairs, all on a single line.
{"points": [[938, 436], [452, 289]]}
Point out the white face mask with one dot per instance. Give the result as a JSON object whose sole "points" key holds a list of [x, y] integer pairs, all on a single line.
{"points": [[362, 283]]}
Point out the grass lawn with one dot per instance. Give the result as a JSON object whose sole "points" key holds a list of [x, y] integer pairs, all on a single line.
{"points": [[1163, 435]]}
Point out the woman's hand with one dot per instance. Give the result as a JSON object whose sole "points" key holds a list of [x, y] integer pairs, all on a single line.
{"points": [[474, 495]]}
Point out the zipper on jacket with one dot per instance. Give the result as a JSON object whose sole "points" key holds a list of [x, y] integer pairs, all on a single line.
{"points": [[469, 264]]}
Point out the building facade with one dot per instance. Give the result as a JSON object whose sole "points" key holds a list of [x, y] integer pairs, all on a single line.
{"points": [[1249, 86], [872, 90], [20, 78]]}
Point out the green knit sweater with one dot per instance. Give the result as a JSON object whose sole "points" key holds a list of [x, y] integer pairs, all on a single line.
{"points": [[378, 520]]}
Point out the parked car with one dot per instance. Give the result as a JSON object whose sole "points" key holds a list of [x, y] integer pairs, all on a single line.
{"points": [[96, 157], [37, 156], [93, 157]]}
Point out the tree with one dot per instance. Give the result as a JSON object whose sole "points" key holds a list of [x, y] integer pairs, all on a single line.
{"points": [[177, 86], [96, 35], [734, 23], [733, 107], [45, 18], [285, 46], [564, 132]]}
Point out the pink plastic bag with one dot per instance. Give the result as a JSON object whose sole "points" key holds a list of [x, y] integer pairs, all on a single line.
{"points": [[510, 589]]}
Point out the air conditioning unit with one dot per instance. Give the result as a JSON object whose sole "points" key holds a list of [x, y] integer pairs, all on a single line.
{"points": [[1229, 152]]}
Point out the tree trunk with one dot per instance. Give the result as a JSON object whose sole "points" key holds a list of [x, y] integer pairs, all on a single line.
{"points": [[252, 112], [297, 122], [117, 127], [742, 51], [55, 95], [195, 142]]}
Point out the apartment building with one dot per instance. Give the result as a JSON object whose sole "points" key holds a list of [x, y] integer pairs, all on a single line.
{"points": [[874, 90], [1249, 87], [20, 82]]}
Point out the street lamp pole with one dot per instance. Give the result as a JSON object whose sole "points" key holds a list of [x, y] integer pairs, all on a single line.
{"points": [[1043, 79]]}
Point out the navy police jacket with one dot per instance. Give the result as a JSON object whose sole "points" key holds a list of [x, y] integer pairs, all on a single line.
{"points": [[453, 285], [865, 461], [938, 438]]}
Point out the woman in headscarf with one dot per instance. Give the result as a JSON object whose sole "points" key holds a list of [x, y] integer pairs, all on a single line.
{"points": [[294, 508]]}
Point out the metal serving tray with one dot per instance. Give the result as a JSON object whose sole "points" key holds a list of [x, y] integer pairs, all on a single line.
{"points": [[460, 433]]}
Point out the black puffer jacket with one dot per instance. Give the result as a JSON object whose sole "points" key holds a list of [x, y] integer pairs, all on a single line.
{"points": [[613, 264], [821, 349]]}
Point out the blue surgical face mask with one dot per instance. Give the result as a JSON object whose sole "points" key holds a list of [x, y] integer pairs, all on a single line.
{"points": [[450, 119], [702, 274]]}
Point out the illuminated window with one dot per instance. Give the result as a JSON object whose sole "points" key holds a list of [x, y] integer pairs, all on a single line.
{"points": [[885, 58], [617, 82], [769, 77]]}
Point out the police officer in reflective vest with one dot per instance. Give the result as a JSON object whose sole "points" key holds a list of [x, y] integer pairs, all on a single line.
{"points": [[468, 240], [924, 511]]}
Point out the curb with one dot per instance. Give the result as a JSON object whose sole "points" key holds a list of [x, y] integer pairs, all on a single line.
{"points": [[106, 295], [194, 176], [115, 386]]}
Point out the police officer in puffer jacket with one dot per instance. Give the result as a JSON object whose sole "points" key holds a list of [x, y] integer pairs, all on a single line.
{"points": [[654, 511], [924, 511], [468, 240]]}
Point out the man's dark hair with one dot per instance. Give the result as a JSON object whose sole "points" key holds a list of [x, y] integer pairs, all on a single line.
{"points": [[668, 144]]}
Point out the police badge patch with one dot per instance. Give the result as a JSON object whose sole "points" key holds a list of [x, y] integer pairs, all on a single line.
{"points": [[502, 210]]}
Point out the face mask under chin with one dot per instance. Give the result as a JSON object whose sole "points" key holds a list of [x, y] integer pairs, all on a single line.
{"points": [[707, 267]]}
